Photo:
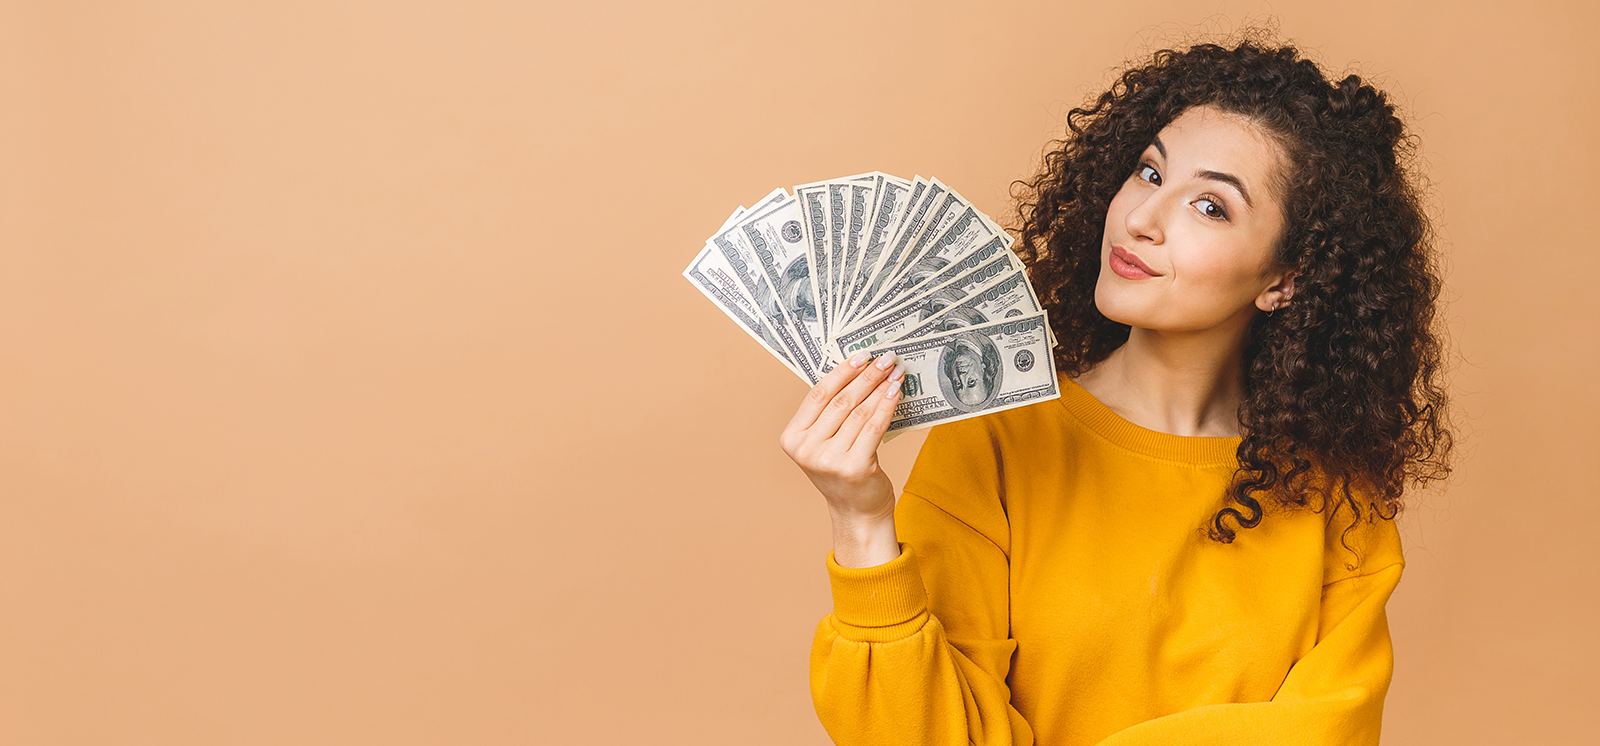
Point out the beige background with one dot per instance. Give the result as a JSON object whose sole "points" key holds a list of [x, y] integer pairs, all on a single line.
{"points": [[349, 392]]}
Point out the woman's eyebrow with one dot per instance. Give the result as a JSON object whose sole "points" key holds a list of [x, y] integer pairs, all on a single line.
{"points": [[1225, 178], [1229, 179]]}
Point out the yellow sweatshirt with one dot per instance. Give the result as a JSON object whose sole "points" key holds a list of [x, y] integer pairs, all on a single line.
{"points": [[1056, 587]]}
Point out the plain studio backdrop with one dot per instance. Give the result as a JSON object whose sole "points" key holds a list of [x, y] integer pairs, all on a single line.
{"points": [[350, 393]]}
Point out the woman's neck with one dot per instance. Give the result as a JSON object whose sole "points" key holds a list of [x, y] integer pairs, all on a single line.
{"points": [[1179, 383]]}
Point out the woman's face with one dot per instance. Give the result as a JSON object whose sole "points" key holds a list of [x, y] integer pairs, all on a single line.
{"points": [[1190, 237]]}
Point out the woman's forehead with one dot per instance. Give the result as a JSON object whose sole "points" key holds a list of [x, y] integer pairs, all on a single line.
{"points": [[1206, 139]]}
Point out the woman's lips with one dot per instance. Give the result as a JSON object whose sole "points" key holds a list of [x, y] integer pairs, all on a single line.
{"points": [[1128, 264]]}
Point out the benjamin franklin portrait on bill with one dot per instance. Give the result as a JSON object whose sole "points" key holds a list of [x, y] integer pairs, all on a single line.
{"points": [[969, 372], [795, 291]]}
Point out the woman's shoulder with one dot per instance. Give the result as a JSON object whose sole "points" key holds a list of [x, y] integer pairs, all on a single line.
{"points": [[976, 459], [1053, 417], [996, 435], [1357, 545]]}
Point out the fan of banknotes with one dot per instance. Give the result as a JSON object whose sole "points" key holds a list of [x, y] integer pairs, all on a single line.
{"points": [[878, 263]]}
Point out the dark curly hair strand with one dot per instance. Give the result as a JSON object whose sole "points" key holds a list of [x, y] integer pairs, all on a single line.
{"points": [[1343, 405]]}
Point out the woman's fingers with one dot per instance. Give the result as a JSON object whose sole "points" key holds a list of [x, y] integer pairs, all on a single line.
{"points": [[825, 390], [844, 402], [868, 409], [881, 407]]}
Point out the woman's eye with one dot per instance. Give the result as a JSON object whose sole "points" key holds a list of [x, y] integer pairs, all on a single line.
{"points": [[1148, 173], [1211, 209]]}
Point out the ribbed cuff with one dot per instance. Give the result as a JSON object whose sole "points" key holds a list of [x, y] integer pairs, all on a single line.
{"points": [[879, 604]]}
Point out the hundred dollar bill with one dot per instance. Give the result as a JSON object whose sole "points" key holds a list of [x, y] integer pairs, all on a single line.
{"points": [[737, 213], [839, 212], [771, 200], [910, 227], [772, 285], [962, 267], [974, 371], [941, 214], [861, 194], [710, 274], [813, 199], [775, 238], [888, 205], [856, 237], [901, 320], [960, 273], [966, 232], [827, 210], [1006, 298]]}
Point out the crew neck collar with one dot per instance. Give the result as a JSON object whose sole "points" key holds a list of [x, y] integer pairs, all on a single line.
{"points": [[1081, 405]]}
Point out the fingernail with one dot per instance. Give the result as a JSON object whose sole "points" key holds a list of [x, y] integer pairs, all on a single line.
{"points": [[899, 373], [885, 360], [859, 360], [893, 392]]}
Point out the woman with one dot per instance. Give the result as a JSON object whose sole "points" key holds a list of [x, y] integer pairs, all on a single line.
{"points": [[1195, 544]]}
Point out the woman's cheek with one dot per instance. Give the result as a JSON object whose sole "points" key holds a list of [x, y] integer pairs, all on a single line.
{"points": [[1121, 304]]}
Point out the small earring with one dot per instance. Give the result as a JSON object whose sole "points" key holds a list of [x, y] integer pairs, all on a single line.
{"points": [[1269, 313]]}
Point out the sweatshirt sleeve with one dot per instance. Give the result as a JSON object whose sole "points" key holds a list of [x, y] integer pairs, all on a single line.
{"points": [[1334, 693], [917, 650]]}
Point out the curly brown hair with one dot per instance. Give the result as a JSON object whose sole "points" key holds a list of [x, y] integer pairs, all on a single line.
{"points": [[1343, 403]]}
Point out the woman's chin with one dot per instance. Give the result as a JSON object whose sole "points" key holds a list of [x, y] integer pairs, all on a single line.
{"points": [[1120, 310]]}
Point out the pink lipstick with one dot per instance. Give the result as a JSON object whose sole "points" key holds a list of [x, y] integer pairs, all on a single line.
{"points": [[1128, 264]]}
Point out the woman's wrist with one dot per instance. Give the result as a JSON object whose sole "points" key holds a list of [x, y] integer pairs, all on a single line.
{"points": [[864, 541]]}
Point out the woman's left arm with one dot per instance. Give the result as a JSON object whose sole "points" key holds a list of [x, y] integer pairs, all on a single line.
{"points": [[1332, 695]]}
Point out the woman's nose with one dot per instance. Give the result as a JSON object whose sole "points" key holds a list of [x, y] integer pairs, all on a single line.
{"points": [[1146, 218]]}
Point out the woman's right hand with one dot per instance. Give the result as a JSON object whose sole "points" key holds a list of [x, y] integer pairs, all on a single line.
{"points": [[834, 439]]}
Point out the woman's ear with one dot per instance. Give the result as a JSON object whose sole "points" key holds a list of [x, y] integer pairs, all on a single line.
{"points": [[1277, 296]]}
